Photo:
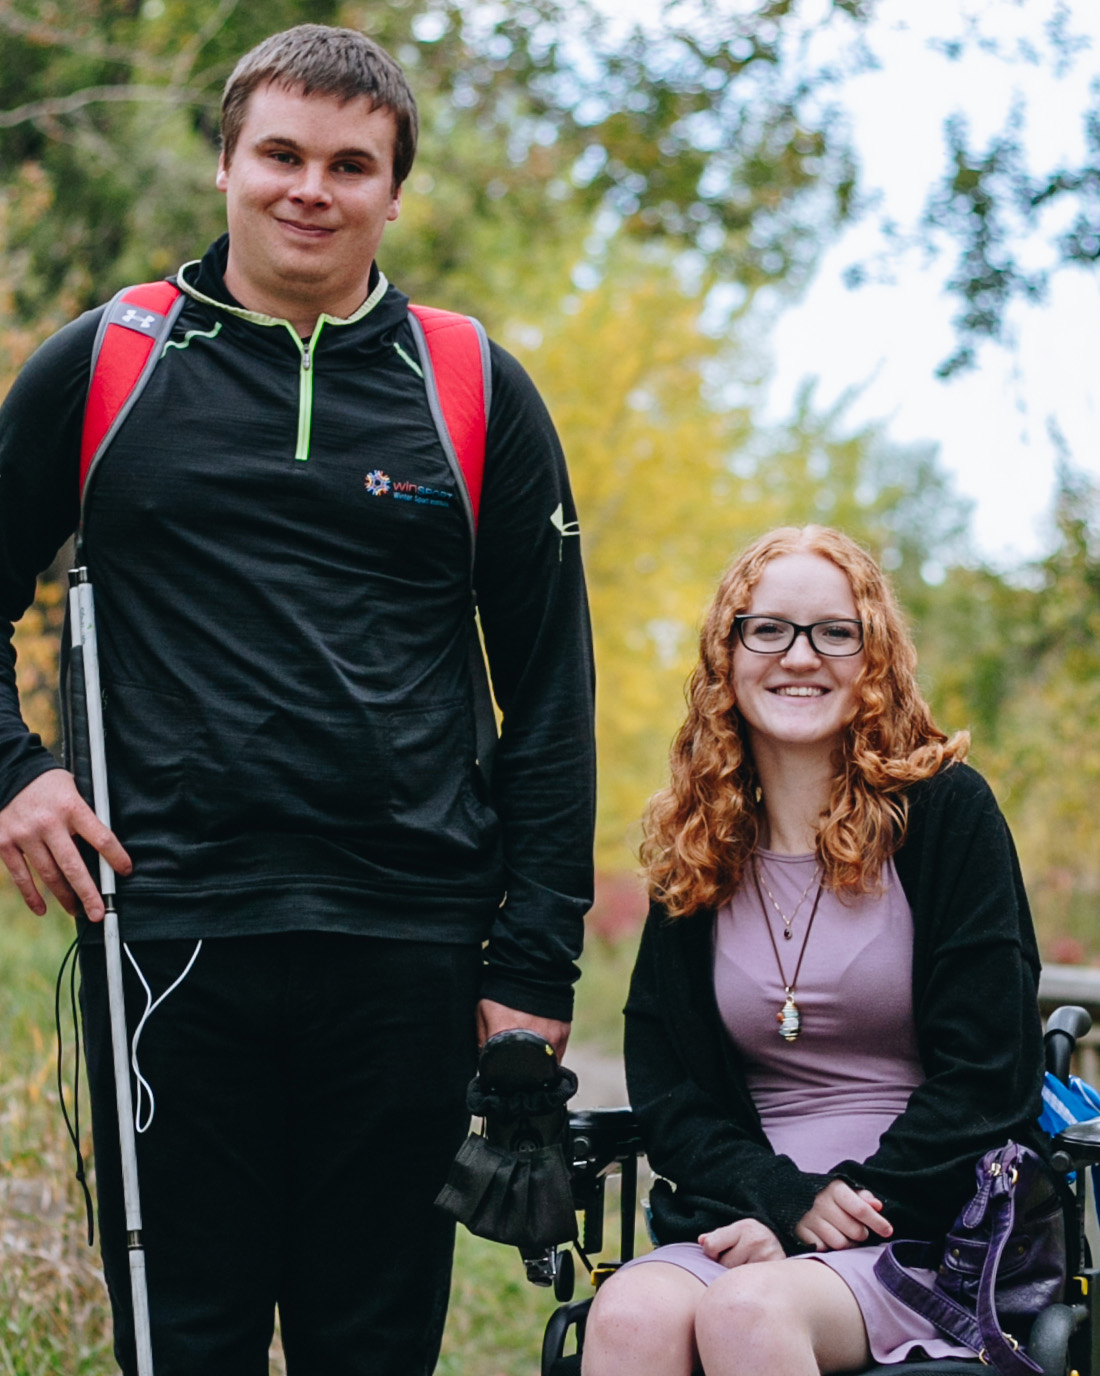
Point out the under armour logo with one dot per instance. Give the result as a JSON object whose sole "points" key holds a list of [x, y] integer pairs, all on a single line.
{"points": [[145, 322]]}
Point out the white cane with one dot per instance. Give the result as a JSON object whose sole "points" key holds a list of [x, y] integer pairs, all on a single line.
{"points": [[82, 621]]}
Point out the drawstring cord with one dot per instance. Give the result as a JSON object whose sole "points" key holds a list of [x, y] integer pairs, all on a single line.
{"points": [[72, 1125], [151, 1006]]}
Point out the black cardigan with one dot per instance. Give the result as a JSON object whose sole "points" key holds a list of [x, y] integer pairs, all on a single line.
{"points": [[975, 979]]}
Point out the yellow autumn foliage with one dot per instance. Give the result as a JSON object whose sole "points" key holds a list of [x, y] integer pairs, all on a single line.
{"points": [[626, 373], [23, 201]]}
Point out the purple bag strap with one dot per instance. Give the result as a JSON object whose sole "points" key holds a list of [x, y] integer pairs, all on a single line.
{"points": [[981, 1332]]}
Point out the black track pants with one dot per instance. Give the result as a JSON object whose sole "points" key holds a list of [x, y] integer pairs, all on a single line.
{"points": [[309, 1099]]}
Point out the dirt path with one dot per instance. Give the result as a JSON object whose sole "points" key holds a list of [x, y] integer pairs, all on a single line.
{"points": [[602, 1082]]}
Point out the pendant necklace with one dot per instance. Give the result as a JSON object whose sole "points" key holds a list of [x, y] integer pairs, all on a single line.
{"points": [[788, 922], [789, 1016]]}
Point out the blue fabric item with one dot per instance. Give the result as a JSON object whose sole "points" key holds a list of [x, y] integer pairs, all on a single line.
{"points": [[1063, 1104]]}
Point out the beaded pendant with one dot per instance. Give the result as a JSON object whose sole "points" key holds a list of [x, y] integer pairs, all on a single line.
{"points": [[789, 1019]]}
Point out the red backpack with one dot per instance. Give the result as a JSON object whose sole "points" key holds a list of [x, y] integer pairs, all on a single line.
{"points": [[453, 353]]}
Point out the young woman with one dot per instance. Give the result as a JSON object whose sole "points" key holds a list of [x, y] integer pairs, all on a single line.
{"points": [[833, 1013]]}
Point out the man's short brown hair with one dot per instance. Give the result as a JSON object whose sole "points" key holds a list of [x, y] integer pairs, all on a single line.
{"points": [[319, 60]]}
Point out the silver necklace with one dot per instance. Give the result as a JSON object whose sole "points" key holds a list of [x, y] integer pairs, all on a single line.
{"points": [[788, 922]]}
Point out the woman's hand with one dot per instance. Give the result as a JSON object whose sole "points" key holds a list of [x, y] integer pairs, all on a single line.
{"points": [[736, 1244], [842, 1217]]}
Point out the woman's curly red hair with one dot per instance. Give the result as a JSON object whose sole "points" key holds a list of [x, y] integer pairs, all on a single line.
{"points": [[701, 830]]}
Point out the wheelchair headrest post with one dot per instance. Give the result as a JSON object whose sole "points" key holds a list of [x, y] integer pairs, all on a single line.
{"points": [[1065, 1028]]}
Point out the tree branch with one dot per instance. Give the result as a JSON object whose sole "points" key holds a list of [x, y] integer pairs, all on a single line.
{"points": [[212, 26], [91, 95]]}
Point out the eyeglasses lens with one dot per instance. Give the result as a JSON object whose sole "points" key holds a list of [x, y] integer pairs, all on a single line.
{"points": [[769, 635]]}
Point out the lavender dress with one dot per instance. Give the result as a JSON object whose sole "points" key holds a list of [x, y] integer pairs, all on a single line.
{"points": [[828, 1096]]}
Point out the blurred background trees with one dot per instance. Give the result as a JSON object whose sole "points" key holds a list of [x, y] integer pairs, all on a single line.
{"points": [[613, 207]]}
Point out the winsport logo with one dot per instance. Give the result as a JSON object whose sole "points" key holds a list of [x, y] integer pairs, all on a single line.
{"points": [[379, 484]]}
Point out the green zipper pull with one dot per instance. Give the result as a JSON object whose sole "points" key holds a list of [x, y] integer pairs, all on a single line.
{"points": [[305, 402]]}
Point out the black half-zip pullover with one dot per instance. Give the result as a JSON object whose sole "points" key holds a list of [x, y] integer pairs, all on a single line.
{"points": [[282, 572]]}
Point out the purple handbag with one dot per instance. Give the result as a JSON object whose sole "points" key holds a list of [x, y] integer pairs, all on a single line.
{"points": [[1003, 1261]]}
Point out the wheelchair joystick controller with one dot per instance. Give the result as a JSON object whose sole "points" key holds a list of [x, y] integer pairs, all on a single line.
{"points": [[517, 1072]]}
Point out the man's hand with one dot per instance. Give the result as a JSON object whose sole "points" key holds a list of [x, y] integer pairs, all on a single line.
{"points": [[37, 829], [494, 1017], [841, 1217], [737, 1244]]}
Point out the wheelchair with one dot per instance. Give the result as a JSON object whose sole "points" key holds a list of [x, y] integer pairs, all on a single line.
{"points": [[602, 1142]]}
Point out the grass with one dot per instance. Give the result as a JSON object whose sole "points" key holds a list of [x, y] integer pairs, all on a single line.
{"points": [[54, 1314], [53, 1303], [497, 1317]]}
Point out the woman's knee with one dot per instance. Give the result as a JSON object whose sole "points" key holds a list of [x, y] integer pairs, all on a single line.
{"points": [[747, 1302], [660, 1297], [799, 1314], [648, 1311]]}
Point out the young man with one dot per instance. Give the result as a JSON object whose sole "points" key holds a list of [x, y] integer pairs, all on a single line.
{"points": [[284, 641]]}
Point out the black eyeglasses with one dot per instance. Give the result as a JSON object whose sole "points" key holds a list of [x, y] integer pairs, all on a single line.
{"points": [[772, 635]]}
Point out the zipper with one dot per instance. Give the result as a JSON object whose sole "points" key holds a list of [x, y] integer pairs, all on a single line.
{"points": [[305, 392]]}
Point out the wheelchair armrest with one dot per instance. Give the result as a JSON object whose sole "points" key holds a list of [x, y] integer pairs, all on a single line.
{"points": [[1050, 1334], [1077, 1145], [561, 1321]]}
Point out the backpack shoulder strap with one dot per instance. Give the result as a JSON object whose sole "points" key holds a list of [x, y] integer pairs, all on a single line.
{"points": [[454, 356], [128, 346]]}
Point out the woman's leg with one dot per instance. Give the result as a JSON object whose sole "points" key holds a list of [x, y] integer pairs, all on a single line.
{"points": [[797, 1317], [642, 1323]]}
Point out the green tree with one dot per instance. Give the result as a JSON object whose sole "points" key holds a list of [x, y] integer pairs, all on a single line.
{"points": [[535, 116], [1046, 754]]}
